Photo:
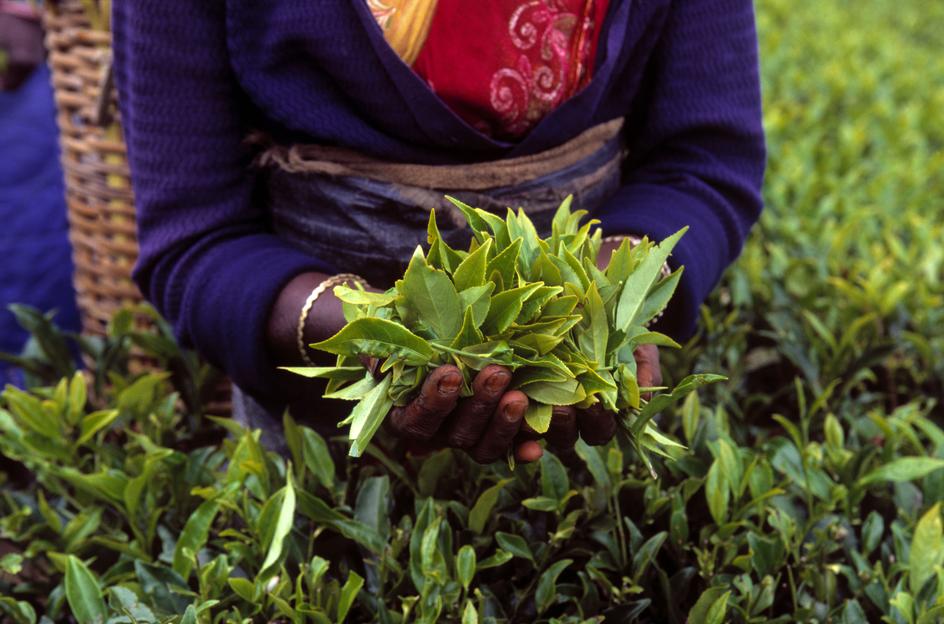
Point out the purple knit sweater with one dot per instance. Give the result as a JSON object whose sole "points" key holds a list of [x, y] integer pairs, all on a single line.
{"points": [[195, 76]]}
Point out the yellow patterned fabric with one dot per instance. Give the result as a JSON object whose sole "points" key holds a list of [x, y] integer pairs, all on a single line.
{"points": [[405, 24]]}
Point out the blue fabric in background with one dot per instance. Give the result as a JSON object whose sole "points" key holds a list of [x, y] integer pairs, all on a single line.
{"points": [[35, 256]]}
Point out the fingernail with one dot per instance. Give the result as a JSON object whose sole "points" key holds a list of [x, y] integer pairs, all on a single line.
{"points": [[449, 384], [514, 411], [497, 381]]}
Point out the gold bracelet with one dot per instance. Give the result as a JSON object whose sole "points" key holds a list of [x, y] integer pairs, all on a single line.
{"points": [[633, 241], [306, 309]]}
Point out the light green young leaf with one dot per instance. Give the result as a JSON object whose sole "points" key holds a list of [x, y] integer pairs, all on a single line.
{"points": [[356, 391], [194, 537], [539, 416], [641, 280], [903, 469], [478, 299], [95, 422], [432, 295], [566, 393], [465, 566], [482, 510], [927, 549], [368, 415], [505, 308], [471, 272], [356, 296], [349, 592], [83, 593], [283, 526], [380, 338], [505, 265]]}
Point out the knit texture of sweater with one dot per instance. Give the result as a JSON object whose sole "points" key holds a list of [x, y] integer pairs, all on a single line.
{"points": [[195, 76]]}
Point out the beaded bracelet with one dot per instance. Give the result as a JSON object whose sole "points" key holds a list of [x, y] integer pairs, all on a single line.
{"points": [[319, 290]]}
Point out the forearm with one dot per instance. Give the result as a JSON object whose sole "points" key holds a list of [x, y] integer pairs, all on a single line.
{"points": [[322, 321]]}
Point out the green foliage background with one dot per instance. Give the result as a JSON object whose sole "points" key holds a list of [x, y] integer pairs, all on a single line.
{"points": [[811, 491]]}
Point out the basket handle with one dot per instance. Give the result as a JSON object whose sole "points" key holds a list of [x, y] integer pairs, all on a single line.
{"points": [[103, 109]]}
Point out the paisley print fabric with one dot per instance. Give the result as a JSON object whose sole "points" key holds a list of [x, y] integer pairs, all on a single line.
{"points": [[502, 68]]}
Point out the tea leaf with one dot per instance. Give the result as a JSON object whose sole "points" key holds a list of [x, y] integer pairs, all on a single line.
{"points": [[380, 338], [546, 592], [903, 469], [432, 295], [641, 280], [83, 593], [465, 566], [927, 548]]}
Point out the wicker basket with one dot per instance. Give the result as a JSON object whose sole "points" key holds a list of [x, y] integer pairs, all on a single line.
{"points": [[97, 179], [98, 185]]}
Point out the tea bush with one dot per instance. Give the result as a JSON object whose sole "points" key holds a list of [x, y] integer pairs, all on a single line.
{"points": [[810, 492]]}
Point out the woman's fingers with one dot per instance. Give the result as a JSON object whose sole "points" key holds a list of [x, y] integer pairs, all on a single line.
{"points": [[528, 451], [473, 414], [502, 428], [562, 432], [648, 368], [437, 398], [597, 425]]}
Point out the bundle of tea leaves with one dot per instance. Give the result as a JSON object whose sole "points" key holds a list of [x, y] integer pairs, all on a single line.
{"points": [[540, 307]]}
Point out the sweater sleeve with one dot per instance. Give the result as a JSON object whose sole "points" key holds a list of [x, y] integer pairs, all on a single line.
{"points": [[207, 260], [696, 148]]}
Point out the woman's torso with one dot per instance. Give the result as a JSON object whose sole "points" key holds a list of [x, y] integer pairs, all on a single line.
{"points": [[328, 76]]}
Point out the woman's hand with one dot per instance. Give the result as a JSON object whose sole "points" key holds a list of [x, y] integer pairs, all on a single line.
{"points": [[485, 424]]}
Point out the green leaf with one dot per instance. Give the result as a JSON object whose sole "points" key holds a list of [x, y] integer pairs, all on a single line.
{"points": [[927, 549], [716, 492], [646, 553], [242, 588], [380, 338], [872, 530], [334, 373], [349, 592], [546, 593], [368, 415], [505, 308], [554, 481], [356, 391], [596, 331], [903, 469], [718, 610], [699, 612], [318, 458], [356, 296], [641, 280], [194, 537], [514, 544], [658, 298], [469, 333], [566, 393], [540, 503], [83, 593], [504, 265], [465, 566], [478, 299], [539, 416], [78, 395], [432, 295], [471, 272], [283, 526], [482, 510], [95, 422], [372, 506], [469, 613], [189, 616], [498, 559]]}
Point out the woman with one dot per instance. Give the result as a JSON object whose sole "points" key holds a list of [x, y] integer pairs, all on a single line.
{"points": [[37, 266], [370, 110]]}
